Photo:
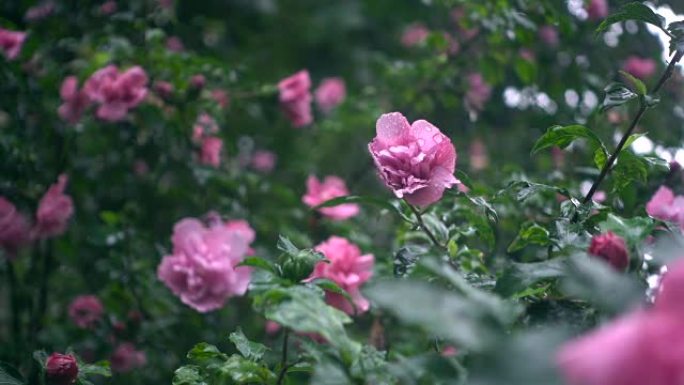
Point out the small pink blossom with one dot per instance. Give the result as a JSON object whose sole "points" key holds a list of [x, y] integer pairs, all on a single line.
{"points": [[40, 11], [263, 161], [331, 187], [205, 125], [549, 35], [14, 227], [449, 351], [348, 269], [643, 347], [54, 210], [108, 7], [126, 358], [478, 92], [295, 98], [272, 327], [86, 311], [664, 205], [175, 44], [330, 93], [611, 248], [210, 153], [202, 269], [163, 89], [414, 34], [11, 43], [74, 101], [198, 81], [597, 9], [416, 161], [642, 68], [527, 54], [116, 92], [221, 98]]}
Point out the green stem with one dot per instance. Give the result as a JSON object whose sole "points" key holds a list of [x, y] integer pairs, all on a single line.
{"points": [[421, 223], [283, 359]]}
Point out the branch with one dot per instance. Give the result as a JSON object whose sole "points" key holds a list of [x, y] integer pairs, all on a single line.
{"points": [[419, 218], [283, 359], [642, 109]]}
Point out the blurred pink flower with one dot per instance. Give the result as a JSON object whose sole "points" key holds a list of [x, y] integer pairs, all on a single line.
{"points": [[263, 161], [54, 210], [140, 167], [221, 97], [527, 54], [14, 227], [166, 4], [642, 68], [643, 347], [449, 351], [549, 35], [126, 358], [479, 160], [116, 92], [108, 7], [40, 11], [416, 161], [74, 101], [330, 93], [211, 151], [86, 311], [348, 269], [272, 327], [478, 92], [202, 269], [611, 248], [414, 34], [205, 125], [597, 9], [331, 187], [61, 369], [163, 89], [175, 44], [458, 16], [295, 98], [198, 81], [665, 206], [11, 43]]}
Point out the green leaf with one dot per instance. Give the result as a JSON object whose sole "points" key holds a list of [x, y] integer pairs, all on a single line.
{"points": [[600, 158], [639, 86], [617, 94], [244, 371], [369, 200], [520, 276], [100, 368], [562, 136], [629, 168], [329, 373], [250, 350], [521, 190], [188, 375], [633, 11], [286, 246], [203, 352], [332, 287], [259, 263], [633, 230], [9, 375], [530, 234]]}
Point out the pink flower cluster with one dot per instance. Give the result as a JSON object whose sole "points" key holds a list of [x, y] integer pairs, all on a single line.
{"points": [[202, 268], [478, 92], [414, 34], [348, 268], [11, 43], [549, 35], [597, 9], [74, 101], [664, 205], [642, 68], [40, 11], [116, 92], [331, 187], [611, 248], [295, 98], [416, 161], [86, 311], [643, 347], [263, 161], [203, 133], [54, 211], [330, 93], [126, 358]]}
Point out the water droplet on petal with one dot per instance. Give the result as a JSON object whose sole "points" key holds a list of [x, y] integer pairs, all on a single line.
{"points": [[438, 138]]}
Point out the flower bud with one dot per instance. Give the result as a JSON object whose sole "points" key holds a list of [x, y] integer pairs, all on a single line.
{"points": [[299, 266], [61, 369], [611, 248]]}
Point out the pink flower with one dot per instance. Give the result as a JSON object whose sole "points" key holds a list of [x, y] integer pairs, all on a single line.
{"points": [[221, 97], [478, 92], [126, 358], [14, 227], [332, 187], [116, 92], [11, 43], [458, 15], [40, 11], [330, 93], [479, 160], [416, 161], [295, 98], [174, 44], [414, 34], [641, 68], [54, 210], [611, 248], [597, 9], [61, 369], [449, 351], [348, 269], [163, 89], [74, 101], [665, 206], [202, 269], [549, 35], [644, 347], [86, 311], [272, 327], [263, 161], [205, 125], [198, 81], [108, 7], [527, 54], [211, 151]]}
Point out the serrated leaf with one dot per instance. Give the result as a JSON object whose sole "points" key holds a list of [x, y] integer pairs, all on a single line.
{"points": [[616, 94], [633, 11], [562, 136], [250, 350]]}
